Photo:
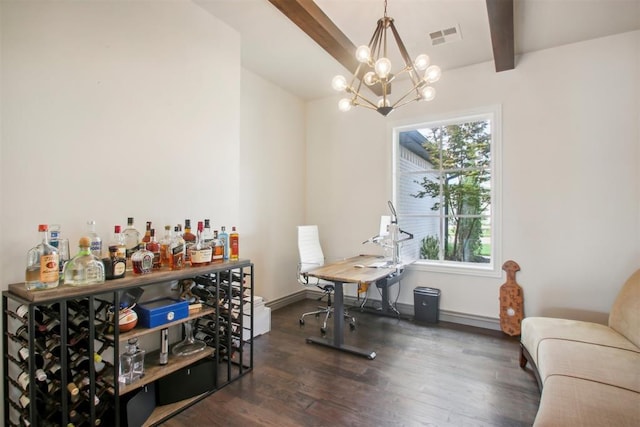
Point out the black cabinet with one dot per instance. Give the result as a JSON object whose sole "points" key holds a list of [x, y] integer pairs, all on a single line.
{"points": [[62, 350]]}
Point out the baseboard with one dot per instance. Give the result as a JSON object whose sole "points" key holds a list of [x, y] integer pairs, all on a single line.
{"points": [[289, 299], [406, 310]]}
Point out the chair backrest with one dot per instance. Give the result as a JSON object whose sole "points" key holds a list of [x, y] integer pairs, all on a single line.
{"points": [[309, 248]]}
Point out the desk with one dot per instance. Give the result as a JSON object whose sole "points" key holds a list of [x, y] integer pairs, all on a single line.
{"points": [[342, 272]]}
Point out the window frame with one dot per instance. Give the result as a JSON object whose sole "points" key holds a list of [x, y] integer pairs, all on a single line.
{"points": [[494, 114]]}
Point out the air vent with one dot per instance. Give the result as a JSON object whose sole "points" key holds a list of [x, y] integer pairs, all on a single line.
{"points": [[446, 35]]}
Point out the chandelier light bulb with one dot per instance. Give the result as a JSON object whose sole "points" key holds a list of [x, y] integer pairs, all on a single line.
{"points": [[345, 104], [432, 74], [363, 53], [339, 83], [428, 93], [422, 62], [370, 78], [382, 102], [383, 67]]}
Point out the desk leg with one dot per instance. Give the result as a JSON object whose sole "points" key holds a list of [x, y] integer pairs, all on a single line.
{"points": [[338, 329]]}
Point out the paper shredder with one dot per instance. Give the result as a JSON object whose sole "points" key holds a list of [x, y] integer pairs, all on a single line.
{"points": [[426, 303]]}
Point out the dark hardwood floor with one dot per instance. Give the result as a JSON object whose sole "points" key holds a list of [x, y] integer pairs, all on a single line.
{"points": [[424, 375]]}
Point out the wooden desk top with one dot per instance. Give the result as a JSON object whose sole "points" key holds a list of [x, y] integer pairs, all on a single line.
{"points": [[345, 271]]}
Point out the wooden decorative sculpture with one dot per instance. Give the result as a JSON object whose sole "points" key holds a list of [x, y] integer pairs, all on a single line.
{"points": [[511, 301]]}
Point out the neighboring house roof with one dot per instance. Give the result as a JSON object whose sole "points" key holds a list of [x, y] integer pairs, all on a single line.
{"points": [[413, 141]]}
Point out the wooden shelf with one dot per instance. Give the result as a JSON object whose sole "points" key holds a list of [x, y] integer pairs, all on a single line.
{"points": [[153, 370], [165, 275], [140, 331], [165, 411]]}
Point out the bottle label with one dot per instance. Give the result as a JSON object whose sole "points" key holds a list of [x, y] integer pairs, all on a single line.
{"points": [[200, 256], [49, 271], [118, 268], [234, 247], [121, 252], [96, 247]]}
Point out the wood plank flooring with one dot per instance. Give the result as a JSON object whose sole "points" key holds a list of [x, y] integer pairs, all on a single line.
{"points": [[423, 375]]}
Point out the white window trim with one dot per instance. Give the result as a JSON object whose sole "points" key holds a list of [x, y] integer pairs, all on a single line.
{"points": [[494, 112]]}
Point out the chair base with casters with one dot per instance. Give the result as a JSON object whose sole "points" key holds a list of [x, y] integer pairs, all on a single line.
{"points": [[327, 311]]}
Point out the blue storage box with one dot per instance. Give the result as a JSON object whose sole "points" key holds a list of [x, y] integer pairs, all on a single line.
{"points": [[161, 311]]}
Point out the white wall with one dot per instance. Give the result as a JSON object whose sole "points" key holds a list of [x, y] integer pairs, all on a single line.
{"points": [[570, 176], [115, 109], [272, 183]]}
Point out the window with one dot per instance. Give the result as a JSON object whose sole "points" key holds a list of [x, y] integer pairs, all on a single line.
{"points": [[446, 191]]}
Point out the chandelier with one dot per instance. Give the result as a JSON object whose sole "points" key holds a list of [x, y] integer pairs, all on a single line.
{"points": [[374, 69]]}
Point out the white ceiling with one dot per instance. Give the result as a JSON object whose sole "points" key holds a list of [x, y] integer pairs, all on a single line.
{"points": [[276, 49]]}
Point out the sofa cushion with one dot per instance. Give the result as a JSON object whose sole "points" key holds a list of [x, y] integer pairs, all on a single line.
{"points": [[624, 316], [537, 329], [607, 365], [570, 402]]}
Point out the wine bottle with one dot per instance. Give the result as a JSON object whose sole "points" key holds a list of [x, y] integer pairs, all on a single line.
{"points": [[23, 312]]}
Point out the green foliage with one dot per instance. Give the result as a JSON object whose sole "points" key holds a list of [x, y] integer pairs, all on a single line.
{"points": [[430, 248]]}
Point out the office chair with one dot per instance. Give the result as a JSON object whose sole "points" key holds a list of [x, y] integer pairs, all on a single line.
{"points": [[311, 257]]}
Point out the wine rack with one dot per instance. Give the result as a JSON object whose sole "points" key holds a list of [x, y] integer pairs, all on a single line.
{"points": [[61, 347]]}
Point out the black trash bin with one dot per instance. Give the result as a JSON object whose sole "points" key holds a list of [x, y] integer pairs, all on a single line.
{"points": [[426, 302]]}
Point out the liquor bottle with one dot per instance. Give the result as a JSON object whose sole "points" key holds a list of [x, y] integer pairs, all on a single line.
{"points": [[147, 233], [56, 240], [142, 260], [131, 241], [23, 379], [131, 363], [85, 268], [118, 241], [234, 245], [224, 238], [201, 251], [165, 247], [207, 234], [189, 241], [218, 248], [114, 265], [42, 264], [96, 241], [154, 247], [177, 250]]}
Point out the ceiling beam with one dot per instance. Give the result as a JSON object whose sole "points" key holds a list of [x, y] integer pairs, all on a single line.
{"points": [[316, 24], [502, 38]]}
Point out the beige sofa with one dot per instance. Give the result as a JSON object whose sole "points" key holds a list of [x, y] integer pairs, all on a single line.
{"points": [[588, 373]]}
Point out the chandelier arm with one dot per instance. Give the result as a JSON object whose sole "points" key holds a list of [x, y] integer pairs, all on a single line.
{"points": [[406, 102], [375, 47], [397, 103], [358, 96], [405, 55]]}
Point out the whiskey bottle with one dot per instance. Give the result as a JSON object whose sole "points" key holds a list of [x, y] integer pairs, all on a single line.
{"points": [[96, 241], [84, 268], [224, 238], [142, 260], [154, 247], [115, 264], [189, 241], [200, 251], [42, 264], [218, 248], [165, 247], [147, 233], [131, 240], [176, 250], [118, 241], [234, 246]]}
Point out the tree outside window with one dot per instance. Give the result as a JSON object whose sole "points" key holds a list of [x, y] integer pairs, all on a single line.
{"points": [[444, 190]]}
